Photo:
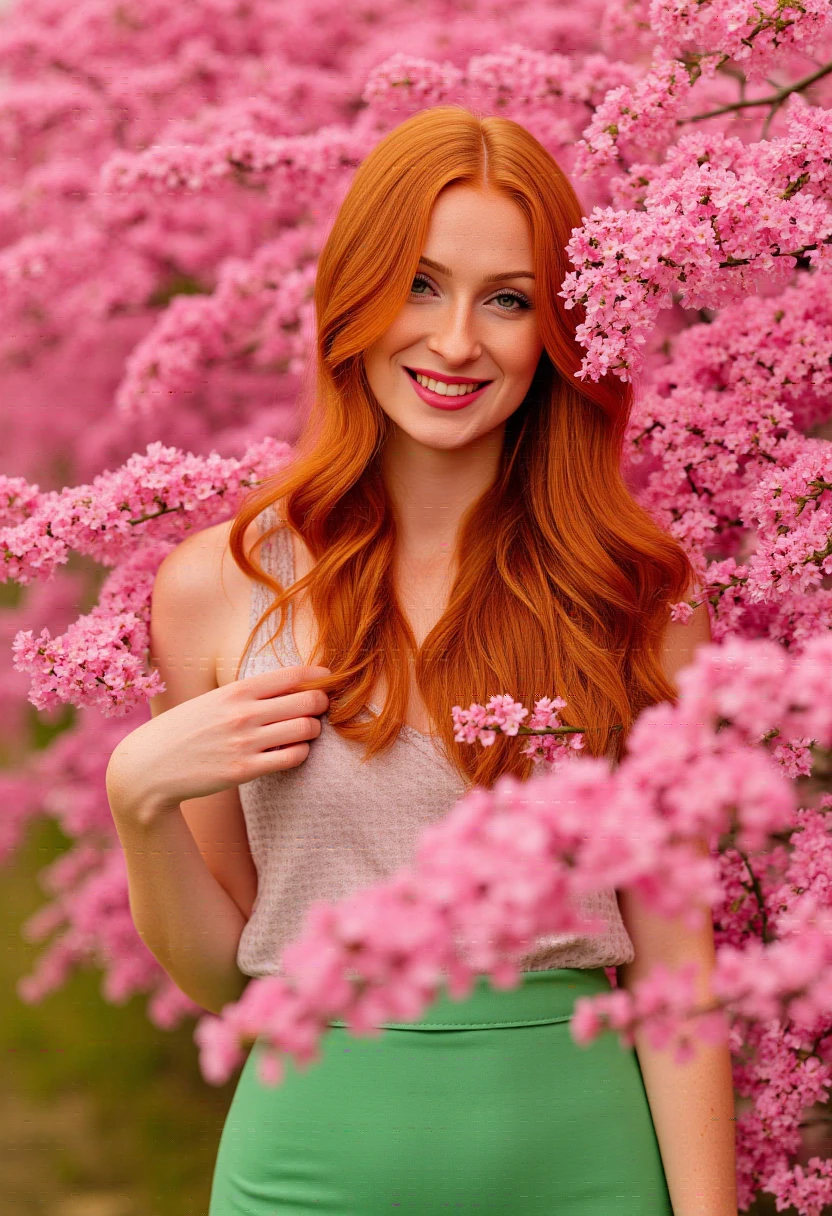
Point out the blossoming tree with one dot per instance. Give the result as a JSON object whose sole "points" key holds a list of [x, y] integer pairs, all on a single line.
{"points": [[169, 176]]}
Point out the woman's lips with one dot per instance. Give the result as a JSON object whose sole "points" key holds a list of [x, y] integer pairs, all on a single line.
{"points": [[439, 400]]}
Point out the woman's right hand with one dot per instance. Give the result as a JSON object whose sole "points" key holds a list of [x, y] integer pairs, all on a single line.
{"points": [[223, 738]]}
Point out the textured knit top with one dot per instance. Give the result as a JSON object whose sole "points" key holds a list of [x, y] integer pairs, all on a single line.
{"points": [[328, 827]]}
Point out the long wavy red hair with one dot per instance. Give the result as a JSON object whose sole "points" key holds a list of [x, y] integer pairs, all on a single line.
{"points": [[564, 580]]}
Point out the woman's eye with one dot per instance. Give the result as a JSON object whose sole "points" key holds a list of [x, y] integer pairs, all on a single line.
{"points": [[514, 301], [509, 301]]}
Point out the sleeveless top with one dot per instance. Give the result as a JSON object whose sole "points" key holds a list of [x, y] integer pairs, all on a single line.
{"points": [[328, 827]]}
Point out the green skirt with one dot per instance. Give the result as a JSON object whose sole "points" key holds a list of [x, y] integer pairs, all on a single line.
{"points": [[484, 1104]]}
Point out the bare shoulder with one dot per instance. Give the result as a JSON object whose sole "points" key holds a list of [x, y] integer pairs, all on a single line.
{"points": [[199, 606], [201, 567]]}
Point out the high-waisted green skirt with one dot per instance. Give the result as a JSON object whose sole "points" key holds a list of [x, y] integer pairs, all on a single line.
{"points": [[484, 1104]]}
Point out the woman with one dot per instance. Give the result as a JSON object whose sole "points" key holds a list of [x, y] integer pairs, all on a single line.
{"points": [[453, 525], [458, 526]]}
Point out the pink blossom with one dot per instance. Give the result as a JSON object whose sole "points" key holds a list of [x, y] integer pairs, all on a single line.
{"points": [[171, 172]]}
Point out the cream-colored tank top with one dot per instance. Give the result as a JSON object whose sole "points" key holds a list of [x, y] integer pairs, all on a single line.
{"points": [[328, 827]]}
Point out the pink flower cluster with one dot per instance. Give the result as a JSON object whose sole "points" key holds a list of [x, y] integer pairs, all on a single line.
{"points": [[260, 308], [638, 116], [99, 662], [555, 743], [716, 223], [170, 175], [755, 34]]}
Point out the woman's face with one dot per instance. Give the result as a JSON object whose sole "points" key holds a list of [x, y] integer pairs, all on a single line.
{"points": [[470, 317]]}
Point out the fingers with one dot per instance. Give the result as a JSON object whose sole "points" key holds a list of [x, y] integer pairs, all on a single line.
{"points": [[293, 730], [275, 700]]}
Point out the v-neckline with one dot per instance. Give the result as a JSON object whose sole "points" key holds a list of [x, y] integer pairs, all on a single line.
{"points": [[406, 729]]}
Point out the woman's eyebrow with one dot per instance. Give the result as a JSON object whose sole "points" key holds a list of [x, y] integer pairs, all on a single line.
{"points": [[489, 278]]}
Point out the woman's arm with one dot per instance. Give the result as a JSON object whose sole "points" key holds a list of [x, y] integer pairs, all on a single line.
{"points": [[187, 920], [190, 876], [692, 1104]]}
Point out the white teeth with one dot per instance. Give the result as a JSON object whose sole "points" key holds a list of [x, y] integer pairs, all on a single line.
{"points": [[445, 390]]}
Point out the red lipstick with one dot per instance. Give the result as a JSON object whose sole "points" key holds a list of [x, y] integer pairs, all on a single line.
{"points": [[439, 400]]}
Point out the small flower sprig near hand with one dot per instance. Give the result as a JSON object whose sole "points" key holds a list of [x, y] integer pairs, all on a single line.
{"points": [[554, 746]]}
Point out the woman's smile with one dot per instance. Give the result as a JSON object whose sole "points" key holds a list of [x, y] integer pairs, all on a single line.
{"points": [[446, 392]]}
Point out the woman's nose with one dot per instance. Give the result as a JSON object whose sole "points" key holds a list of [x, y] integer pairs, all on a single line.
{"points": [[454, 337]]}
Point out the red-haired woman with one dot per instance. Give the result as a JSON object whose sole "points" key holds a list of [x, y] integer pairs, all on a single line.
{"points": [[454, 522]]}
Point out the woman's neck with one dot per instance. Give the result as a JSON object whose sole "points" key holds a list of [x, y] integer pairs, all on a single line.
{"points": [[431, 489]]}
